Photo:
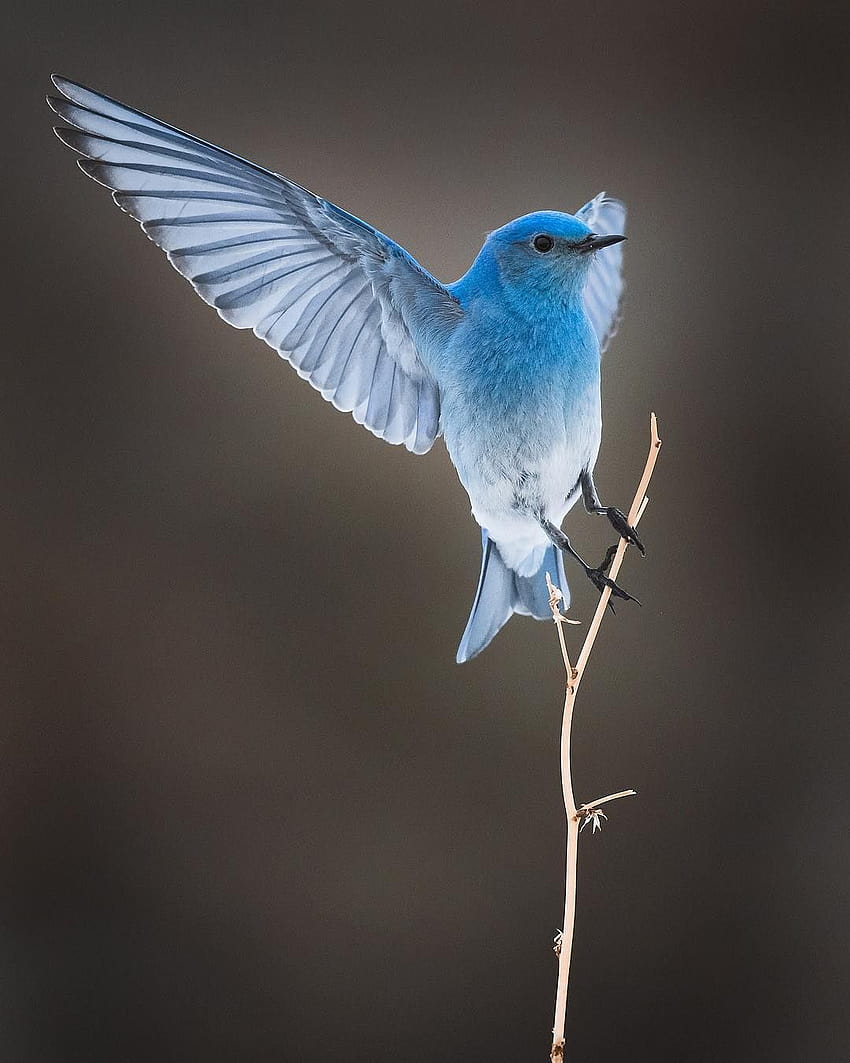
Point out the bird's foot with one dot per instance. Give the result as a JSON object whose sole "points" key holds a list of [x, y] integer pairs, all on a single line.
{"points": [[621, 526], [600, 579]]}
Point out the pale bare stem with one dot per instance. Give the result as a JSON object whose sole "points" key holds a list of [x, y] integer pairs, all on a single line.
{"points": [[564, 940], [565, 943], [588, 806], [555, 598], [578, 817], [636, 511]]}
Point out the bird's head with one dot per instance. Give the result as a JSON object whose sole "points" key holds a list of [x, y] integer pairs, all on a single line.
{"points": [[546, 254]]}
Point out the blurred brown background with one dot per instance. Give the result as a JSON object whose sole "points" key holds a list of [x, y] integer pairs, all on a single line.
{"points": [[252, 810]]}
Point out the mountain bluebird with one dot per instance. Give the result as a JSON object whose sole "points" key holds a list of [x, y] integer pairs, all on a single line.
{"points": [[504, 363]]}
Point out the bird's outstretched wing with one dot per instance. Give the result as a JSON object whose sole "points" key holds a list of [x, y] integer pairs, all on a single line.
{"points": [[332, 295], [604, 288]]}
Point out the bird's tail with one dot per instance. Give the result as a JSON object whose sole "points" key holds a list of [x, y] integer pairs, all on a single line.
{"points": [[501, 593]]}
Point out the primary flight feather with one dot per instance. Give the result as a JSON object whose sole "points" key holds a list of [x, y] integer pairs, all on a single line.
{"points": [[504, 363]]}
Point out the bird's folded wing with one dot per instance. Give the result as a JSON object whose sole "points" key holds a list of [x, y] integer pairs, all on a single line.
{"points": [[332, 295], [604, 288]]}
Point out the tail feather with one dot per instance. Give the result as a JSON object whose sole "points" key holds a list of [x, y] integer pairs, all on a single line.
{"points": [[501, 592], [532, 593], [492, 606]]}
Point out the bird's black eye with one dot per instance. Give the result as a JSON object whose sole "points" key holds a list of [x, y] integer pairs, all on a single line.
{"points": [[543, 243]]}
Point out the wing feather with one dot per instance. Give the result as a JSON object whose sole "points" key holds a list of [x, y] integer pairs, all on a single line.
{"points": [[604, 290], [339, 300]]}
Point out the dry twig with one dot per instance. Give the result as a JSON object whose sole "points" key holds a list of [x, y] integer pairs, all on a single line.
{"points": [[578, 817]]}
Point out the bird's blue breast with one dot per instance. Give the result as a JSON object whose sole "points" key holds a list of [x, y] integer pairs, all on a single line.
{"points": [[515, 388], [503, 366]]}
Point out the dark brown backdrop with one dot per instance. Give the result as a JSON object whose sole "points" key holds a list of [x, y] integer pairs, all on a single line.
{"points": [[252, 808]]}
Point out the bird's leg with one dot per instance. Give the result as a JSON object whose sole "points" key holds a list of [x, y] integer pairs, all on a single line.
{"points": [[616, 516], [597, 576], [608, 559]]}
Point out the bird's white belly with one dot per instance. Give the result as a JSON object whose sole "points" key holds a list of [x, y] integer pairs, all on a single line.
{"points": [[507, 509], [508, 497]]}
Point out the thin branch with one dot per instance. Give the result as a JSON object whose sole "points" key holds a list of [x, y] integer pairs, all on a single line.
{"points": [[588, 806], [576, 817], [555, 599], [636, 511]]}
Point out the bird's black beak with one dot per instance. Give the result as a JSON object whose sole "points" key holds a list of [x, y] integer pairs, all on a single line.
{"points": [[596, 243]]}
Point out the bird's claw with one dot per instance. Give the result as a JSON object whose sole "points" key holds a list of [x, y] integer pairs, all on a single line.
{"points": [[621, 526], [600, 581]]}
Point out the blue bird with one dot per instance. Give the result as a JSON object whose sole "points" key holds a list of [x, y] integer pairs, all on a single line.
{"points": [[504, 363]]}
